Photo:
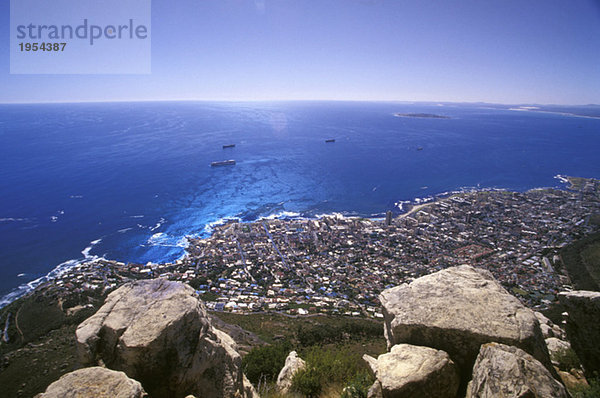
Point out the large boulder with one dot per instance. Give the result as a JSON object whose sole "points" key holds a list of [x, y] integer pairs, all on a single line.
{"points": [[457, 310], [412, 371], [158, 332], [506, 371], [293, 364], [94, 382], [583, 326]]}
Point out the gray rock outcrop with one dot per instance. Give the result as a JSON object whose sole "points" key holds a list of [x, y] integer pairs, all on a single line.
{"points": [[293, 363], [412, 371], [94, 382], [158, 332], [506, 371], [583, 326], [456, 310], [549, 329]]}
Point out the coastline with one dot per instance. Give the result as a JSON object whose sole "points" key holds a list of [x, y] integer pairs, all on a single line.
{"points": [[416, 204]]}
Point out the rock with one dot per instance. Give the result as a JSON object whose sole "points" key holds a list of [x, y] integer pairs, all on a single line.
{"points": [[543, 320], [158, 332], [469, 387], [244, 340], [558, 332], [546, 331], [556, 346], [583, 326], [412, 371], [371, 362], [293, 363], [95, 382], [506, 371], [457, 310], [549, 329], [375, 390], [571, 381], [249, 390]]}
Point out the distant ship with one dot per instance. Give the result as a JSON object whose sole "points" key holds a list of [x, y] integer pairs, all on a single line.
{"points": [[223, 163], [229, 146], [330, 140], [425, 115], [420, 148]]}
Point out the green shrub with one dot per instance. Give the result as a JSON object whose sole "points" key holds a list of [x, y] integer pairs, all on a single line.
{"points": [[310, 335], [209, 296], [331, 366], [359, 386], [308, 382], [196, 282], [591, 391], [567, 359], [264, 363]]}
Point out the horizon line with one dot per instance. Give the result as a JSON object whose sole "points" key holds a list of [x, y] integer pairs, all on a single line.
{"points": [[288, 100]]}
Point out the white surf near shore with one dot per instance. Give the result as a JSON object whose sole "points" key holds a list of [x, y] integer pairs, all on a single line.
{"points": [[57, 272]]}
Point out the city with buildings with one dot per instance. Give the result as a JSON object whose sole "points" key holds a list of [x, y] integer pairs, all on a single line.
{"points": [[339, 265]]}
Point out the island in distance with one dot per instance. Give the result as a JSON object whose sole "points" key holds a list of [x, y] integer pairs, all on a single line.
{"points": [[423, 115]]}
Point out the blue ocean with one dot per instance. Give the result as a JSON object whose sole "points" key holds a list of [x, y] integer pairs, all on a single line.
{"points": [[129, 181]]}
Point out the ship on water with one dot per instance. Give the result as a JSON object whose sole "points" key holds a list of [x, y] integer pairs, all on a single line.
{"points": [[230, 162], [228, 146], [330, 140]]}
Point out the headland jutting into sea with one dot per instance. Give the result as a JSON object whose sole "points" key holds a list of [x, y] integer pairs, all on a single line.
{"points": [[339, 265]]}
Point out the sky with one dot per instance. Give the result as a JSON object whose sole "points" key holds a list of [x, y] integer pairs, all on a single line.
{"points": [[512, 52]]}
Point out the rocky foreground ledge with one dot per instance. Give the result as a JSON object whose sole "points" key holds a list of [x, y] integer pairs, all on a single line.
{"points": [[454, 333], [457, 310], [158, 333]]}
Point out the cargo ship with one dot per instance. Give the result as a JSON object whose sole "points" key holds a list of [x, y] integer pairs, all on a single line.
{"points": [[228, 146], [223, 163], [330, 140]]}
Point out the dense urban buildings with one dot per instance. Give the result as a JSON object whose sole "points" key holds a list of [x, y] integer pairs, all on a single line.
{"points": [[336, 264]]}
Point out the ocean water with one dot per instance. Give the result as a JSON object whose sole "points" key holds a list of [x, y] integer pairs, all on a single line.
{"points": [[128, 181]]}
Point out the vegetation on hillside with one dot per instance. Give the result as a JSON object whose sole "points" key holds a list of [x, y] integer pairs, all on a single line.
{"points": [[331, 346], [567, 359], [41, 340], [262, 364], [581, 259], [590, 255], [590, 391], [332, 368]]}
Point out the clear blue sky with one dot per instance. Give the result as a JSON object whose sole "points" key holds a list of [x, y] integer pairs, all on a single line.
{"points": [[521, 51]]}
